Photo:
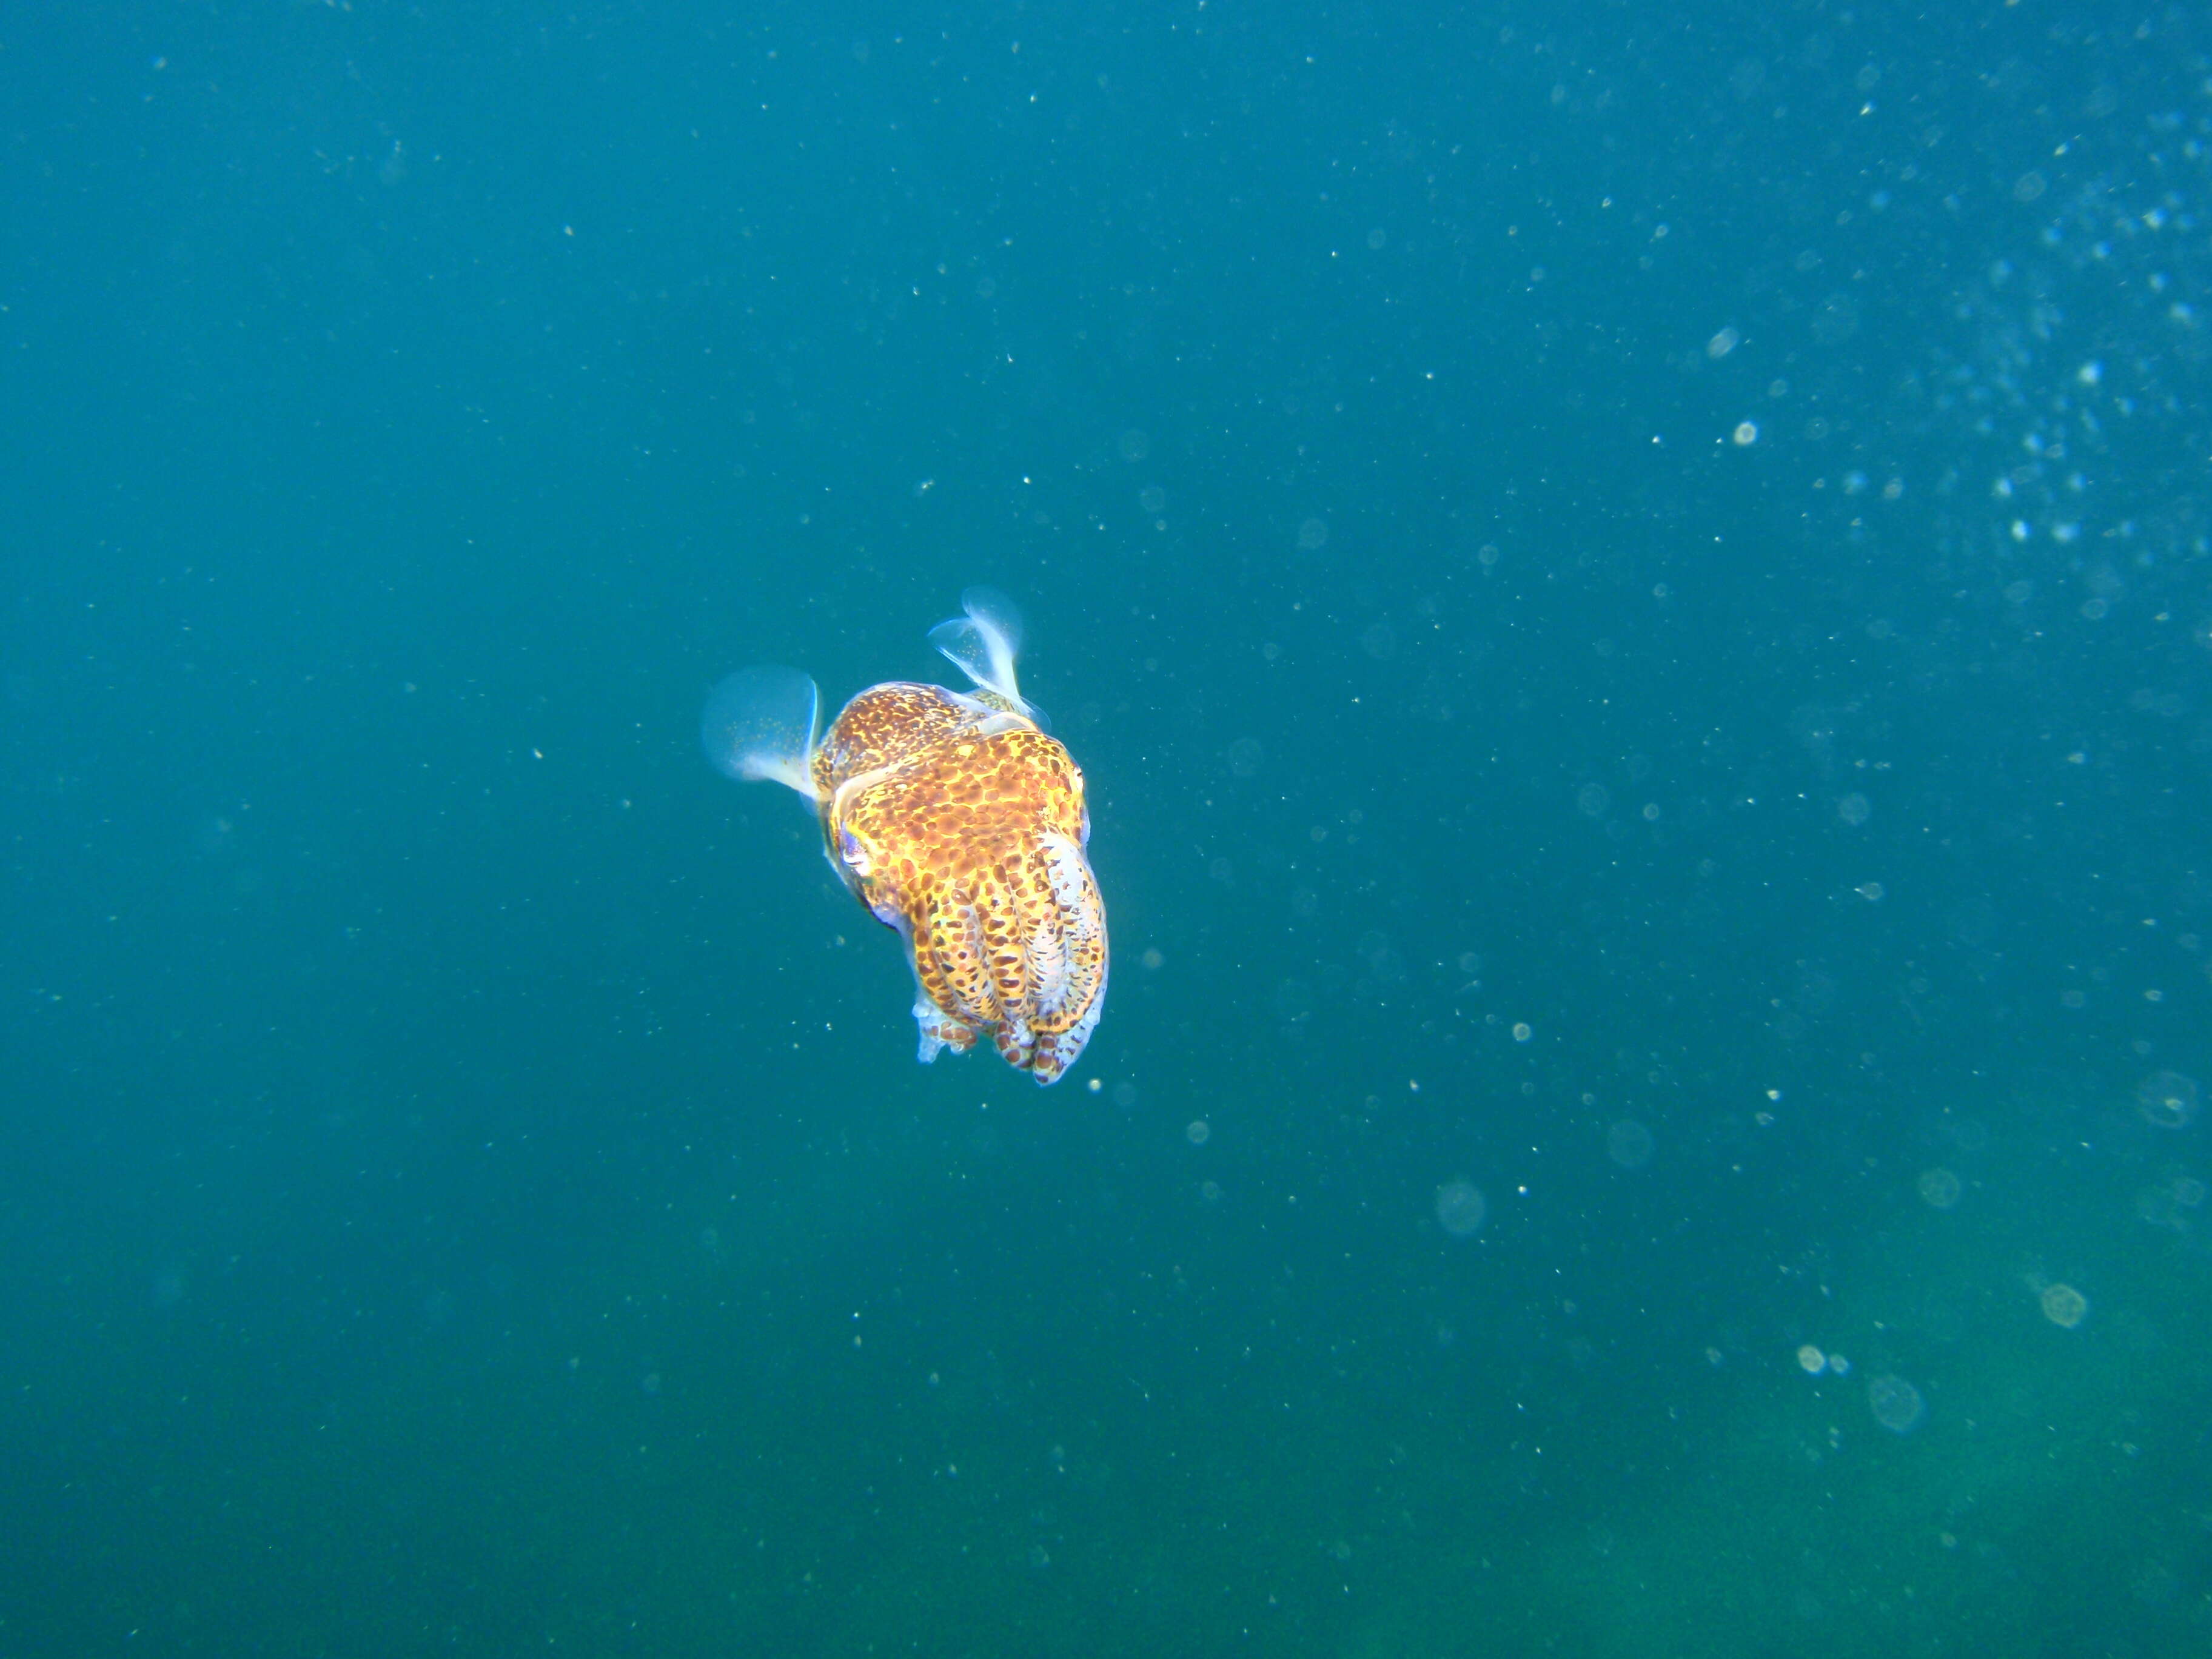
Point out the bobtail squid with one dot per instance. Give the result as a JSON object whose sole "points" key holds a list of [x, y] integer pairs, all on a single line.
{"points": [[956, 819]]}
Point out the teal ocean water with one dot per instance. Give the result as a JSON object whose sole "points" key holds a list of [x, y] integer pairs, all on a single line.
{"points": [[1631, 586]]}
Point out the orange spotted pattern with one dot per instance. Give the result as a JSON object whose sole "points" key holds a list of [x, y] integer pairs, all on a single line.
{"points": [[953, 819]]}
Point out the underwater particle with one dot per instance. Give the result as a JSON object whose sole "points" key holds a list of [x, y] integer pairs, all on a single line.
{"points": [[1245, 757], [1136, 445], [1592, 800], [1896, 1404], [1854, 809], [2158, 1206], [2064, 1306], [1939, 1189], [2167, 1100], [2175, 1202], [1313, 536], [1811, 1360], [1629, 1144], [1722, 344], [1836, 319], [1460, 1208], [1199, 1133], [1746, 434]]}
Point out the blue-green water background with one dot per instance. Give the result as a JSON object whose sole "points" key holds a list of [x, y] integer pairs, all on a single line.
{"points": [[465, 1184]]}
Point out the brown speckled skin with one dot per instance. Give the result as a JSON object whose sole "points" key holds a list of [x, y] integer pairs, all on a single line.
{"points": [[954, 818]]}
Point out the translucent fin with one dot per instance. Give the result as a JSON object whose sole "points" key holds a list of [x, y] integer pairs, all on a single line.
{"points": [[984, 643], [761, 724], [938, 1030]]}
